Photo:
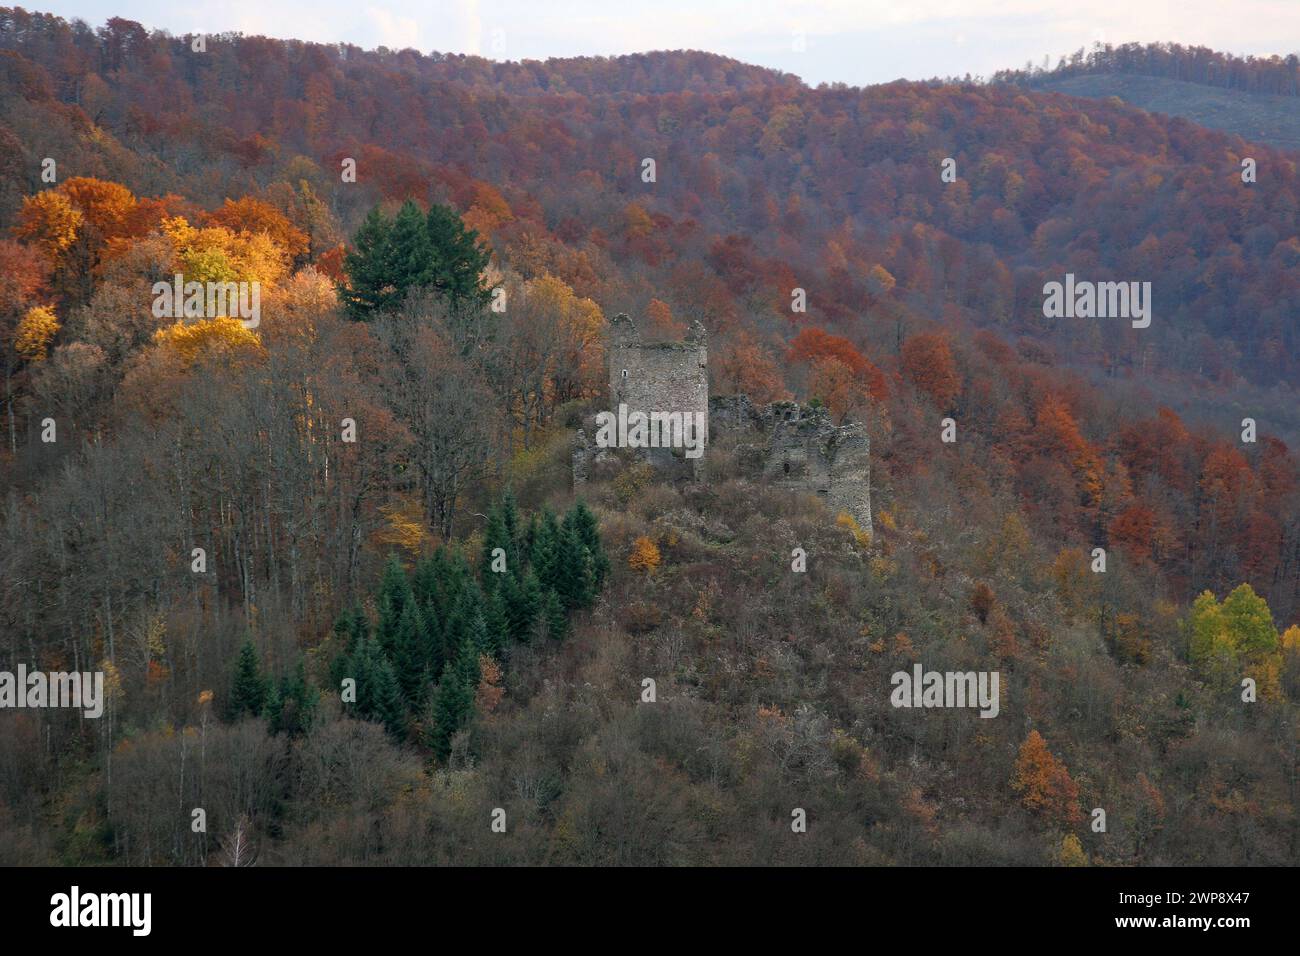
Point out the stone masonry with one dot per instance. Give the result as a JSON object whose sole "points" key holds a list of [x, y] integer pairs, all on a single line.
{"points": [[658, 376]]}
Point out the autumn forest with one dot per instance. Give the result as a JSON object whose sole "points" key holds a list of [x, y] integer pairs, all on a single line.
{"points": [[348, 600]]}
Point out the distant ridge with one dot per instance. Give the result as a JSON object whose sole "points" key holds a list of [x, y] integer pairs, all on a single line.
{"points": [[1254, 98]]}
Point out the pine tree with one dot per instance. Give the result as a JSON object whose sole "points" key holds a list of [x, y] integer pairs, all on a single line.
{"points": [[467, 666], [545, 556], [452, 706], [369, 265], [523, 602], [496, 624], [528, 539], [361, 667], [476, 629], [410, 645], [351, 627], [386, 705], [413, 256], [456, 575], [429, 572], [389, 258], [298, 701], [458, 622], [582, 521], [273, 708], [434, 652], [510, 518], [458, 258], [554, 618], [496, 536], [574, 575], [248, 689], [395, 594]]}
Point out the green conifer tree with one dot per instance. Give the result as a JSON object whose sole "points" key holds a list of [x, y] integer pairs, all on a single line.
{"points": [[573, 571], [395, 593], [410, 647], [523, 603], [413, 255], [545, 556], [496, 536], [581, 520], [453, 703], [510, 518], [387, 706], [370, 288], [351, 627], [247, 689], [297, 703], [554, 619], [458, 258], [496, 624]]}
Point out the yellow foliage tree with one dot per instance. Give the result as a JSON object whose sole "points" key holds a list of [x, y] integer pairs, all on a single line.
{"points": [[645, 555], [636, 221], [405, 527], [578, 326], [216, 254], [210, 336], [1236, 639], [35, 332], [850, 524], [1291, 640], [1071, 852], [49, 220]]}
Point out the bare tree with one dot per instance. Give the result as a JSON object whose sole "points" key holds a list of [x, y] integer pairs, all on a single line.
{"points": [[238, 849]]}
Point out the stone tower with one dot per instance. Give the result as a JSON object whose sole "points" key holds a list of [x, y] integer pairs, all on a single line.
{"points": [[658, 376]]}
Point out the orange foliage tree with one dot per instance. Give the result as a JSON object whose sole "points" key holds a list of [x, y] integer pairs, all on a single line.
{"points": [[1044, 785], [252, 215], [744, 367], [813, 345], [928, 364], [645, 555]]}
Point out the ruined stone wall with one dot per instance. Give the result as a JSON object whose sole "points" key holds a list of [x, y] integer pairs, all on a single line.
{"points": [[808, 453], [801, 449]]}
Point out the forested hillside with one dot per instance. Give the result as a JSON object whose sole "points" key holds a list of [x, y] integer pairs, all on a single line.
{"points": [[233, 521], [1253, 98]]}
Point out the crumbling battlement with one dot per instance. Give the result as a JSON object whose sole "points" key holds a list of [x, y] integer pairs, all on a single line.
{"points": [[800, 448], [792, 446]]}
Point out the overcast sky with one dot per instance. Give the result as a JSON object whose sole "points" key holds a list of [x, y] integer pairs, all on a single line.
{"points": [[850, 41]]}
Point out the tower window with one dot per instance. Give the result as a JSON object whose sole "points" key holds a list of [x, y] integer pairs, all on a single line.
{"points": [[625, 373]]}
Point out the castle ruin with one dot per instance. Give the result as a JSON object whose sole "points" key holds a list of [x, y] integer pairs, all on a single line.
{"points": [[783, 443]]}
